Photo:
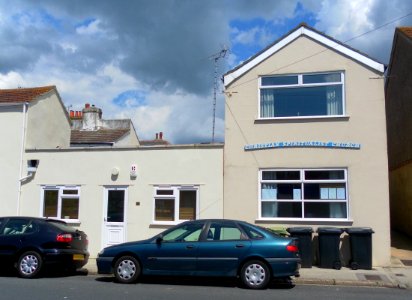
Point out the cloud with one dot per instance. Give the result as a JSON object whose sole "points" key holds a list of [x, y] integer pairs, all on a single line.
{"points": [[150, 60]]}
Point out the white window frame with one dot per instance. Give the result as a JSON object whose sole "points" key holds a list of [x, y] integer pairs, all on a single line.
{"points": [[60, 197], [300, 84], [176, 198], [302, 181]]}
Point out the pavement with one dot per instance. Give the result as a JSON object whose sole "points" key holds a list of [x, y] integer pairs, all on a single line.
{"points": [[397, 275]]}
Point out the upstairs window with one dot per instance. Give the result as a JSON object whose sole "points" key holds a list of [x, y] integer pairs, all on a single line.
{"points": [[302, 95]]}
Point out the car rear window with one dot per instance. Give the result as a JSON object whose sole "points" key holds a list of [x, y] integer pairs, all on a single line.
{"points": [[60, 225]]}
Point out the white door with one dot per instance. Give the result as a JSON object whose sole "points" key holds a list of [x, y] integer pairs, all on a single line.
{"points": [[114, 218]]}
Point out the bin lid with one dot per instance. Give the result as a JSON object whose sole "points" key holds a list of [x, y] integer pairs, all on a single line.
{"points": [[359, 230], [299, 230], [331, 230]]}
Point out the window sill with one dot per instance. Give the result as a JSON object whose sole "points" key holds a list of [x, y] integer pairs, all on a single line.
{"points": [[339, 222], [302, 119], [155, 224]]}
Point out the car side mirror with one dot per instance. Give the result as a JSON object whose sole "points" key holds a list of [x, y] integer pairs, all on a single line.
{"points": [[159, 239]]}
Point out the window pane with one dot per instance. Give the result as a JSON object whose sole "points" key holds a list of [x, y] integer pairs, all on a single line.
{"points": [[50, 203], [115, 206], [187, 206], [164, 210], [70, 208], [164, 192], [70, 192], [308, 101], [325, 191], [280, 175], [321, 175], [16, 227], [225, 232], [321, 78], [282, 209], [279, 80], [325, 210]]}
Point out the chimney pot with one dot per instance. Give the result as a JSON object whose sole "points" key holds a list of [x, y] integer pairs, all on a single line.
{"points": [[160, 135], [71, 114], [87, 105], [157, 136]]}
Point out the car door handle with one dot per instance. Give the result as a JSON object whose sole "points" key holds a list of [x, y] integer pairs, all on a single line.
{"points": [[190, 247], [240, 246]]}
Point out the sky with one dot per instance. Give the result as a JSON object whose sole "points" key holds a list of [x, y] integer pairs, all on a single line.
{"points": [[152, 60]]}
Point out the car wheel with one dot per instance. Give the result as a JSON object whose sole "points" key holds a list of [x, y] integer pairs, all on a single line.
{"points": [[255, 274], [127, 269], [29, 264]]}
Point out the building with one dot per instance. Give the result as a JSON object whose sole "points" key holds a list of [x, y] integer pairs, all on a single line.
{"points": [[399, 127], [95, 175], [305, 138]]}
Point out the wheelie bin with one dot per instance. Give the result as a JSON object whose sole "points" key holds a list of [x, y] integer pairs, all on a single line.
{"points": [[329, 253], [304, 235], [361, 247]]}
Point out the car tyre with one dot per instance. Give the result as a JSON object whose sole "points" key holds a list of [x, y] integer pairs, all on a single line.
{"points": [[29, 264], [255, 274], [127, 269]]}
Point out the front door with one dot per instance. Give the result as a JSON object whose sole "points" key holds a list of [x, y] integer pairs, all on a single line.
{"points": [[114, 217]]}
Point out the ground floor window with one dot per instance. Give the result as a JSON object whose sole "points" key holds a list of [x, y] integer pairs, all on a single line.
{"points": [[303, 194], [61, 202], [175, 203]]}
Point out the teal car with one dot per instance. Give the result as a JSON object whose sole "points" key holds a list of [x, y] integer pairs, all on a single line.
{"points": [[206, 248]]}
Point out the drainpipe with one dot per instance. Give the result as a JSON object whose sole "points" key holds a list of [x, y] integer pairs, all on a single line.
{"points": [[23, 145]]}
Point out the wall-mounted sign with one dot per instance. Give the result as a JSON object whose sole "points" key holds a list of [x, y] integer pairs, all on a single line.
{"points": [[308, 144]]}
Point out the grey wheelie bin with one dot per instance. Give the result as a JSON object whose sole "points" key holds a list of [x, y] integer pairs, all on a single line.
{"points": [[329, 253], [304, 235], [361, 247]]}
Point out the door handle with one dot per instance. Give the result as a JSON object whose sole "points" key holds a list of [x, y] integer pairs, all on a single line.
{"points": [[240, 246]]}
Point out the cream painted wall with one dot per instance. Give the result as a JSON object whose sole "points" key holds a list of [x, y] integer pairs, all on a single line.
{"points": [[91, 168], [364, 124], [55, 133], [11, 131]]}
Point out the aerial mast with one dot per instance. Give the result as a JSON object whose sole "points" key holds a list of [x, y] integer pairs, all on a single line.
{"points": [[221, 54]]}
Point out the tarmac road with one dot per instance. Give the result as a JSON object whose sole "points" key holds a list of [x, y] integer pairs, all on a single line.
{"points": [[102, 288]]}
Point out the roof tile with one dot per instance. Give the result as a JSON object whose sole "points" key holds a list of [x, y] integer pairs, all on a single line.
{"points": [[23, 94], [101, 136]]}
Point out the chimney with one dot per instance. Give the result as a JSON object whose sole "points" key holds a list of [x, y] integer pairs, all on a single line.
{"points": [[160, 135], [92, 117], [157, 136]]}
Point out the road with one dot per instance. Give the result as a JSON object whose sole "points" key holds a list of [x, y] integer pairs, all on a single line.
{"points": [[97, 287]]}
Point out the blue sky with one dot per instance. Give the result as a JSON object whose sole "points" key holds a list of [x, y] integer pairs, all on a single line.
{"points": [[150, 60]]}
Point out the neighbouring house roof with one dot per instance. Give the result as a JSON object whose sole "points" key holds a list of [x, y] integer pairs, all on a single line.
{"points": [[155, 142], [302, 30], [158, 141], [22, 95], [100, 136], [406, 31]]}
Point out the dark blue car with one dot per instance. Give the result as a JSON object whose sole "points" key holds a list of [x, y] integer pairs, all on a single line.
{"points": [[206, 248], [32, 244]]}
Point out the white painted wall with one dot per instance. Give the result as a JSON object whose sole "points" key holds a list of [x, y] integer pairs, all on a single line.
{"points": [[91, 168]]}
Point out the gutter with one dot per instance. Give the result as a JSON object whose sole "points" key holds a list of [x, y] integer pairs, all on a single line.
{"points": [[23, 140]]}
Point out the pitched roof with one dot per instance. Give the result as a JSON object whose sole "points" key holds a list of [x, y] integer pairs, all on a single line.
{"points": [[101, 136], [22, 95], [302, 30], [155, 142], [406, 30]]}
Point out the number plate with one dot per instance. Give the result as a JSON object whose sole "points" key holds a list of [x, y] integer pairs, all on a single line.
{"points": [[78, 257]]}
